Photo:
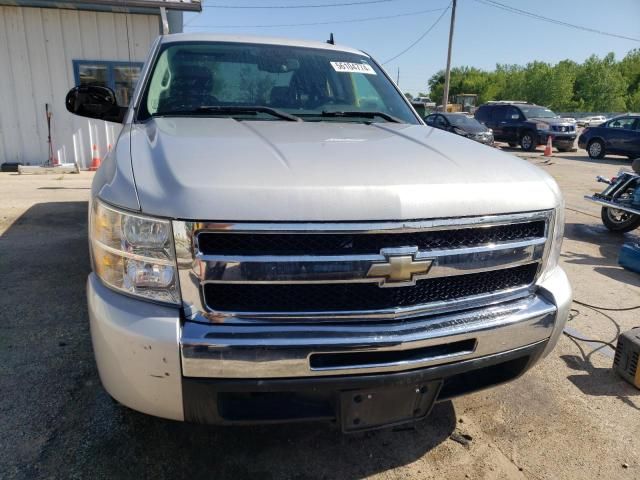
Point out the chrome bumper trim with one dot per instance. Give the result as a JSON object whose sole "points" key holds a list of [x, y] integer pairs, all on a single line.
{"points": [[267, 269], [404, 226], [284, 350], [613, 205]]}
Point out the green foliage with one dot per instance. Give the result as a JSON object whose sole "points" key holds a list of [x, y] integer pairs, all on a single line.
{"points": [[600, 85], [630, 70], [597, 85]]}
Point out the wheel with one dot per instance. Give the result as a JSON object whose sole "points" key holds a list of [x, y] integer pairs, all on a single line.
{"points": [[513, 144], [528, 141], [619, 221], [595, 149]]}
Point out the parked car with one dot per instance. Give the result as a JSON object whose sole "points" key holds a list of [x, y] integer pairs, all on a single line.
{"points": [[266, 247], [618, 136], [592, 121], [461, 124], [526, 124]]}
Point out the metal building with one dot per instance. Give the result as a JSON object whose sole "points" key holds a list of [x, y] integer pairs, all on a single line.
{"points": [[49, 46]]}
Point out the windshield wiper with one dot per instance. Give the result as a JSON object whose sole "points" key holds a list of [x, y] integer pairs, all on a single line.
{"points": [[362, 114], [229, 110], [251, 110]]}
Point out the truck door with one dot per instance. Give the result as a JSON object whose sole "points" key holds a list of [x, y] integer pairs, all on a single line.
{"points": [[511, 123], [498, 122]]}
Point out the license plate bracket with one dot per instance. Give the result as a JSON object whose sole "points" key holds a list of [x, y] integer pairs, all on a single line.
{"points": [[386, 406]]}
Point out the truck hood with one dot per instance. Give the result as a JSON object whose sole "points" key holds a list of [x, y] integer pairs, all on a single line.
{"points": [[552, 121], [223, 169]]}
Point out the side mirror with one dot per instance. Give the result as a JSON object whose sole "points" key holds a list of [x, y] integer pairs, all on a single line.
{"points": [[94, 101]]}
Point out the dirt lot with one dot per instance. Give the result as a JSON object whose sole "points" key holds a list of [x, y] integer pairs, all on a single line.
{"points": [[570, 417]]}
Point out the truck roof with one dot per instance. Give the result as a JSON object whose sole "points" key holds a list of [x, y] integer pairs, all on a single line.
{"points": [[230, 38]]}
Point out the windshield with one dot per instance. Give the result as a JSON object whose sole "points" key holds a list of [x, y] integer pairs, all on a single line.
{"points": [[536, 112], [462, 121], [199, 78]]}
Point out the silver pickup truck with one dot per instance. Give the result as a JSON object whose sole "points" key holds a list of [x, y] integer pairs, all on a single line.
{"points": [[277, 236]]}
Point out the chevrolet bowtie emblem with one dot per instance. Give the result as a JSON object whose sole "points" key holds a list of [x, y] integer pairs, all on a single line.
{"points": [[399, 269]]}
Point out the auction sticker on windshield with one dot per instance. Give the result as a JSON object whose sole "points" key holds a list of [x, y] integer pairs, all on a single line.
{"points": [[349, 67]]}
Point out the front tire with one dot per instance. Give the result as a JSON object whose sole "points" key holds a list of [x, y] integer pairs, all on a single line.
{"points": [[619, 221], [528, 141], [595, 149]]}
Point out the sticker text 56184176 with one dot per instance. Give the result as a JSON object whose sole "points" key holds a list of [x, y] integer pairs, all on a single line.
{"points": [[350, 67]]}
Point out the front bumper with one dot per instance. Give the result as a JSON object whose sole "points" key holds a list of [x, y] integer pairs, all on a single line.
{"points": [[558, 139], [486, 139], [582, 142], [152, 361]]}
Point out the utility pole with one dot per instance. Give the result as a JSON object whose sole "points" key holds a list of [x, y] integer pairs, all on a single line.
{"points": [[447, 74], [398, 77]]}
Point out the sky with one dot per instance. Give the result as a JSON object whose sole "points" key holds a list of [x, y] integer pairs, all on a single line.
{"points": [[483, 36]]}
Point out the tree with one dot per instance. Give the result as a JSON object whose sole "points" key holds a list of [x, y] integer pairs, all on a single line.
{"points": [[600, 86], [510, 82], [408, 95], [630, 70], [462, 80]]}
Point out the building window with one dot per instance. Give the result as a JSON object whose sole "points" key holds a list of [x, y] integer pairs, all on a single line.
{"points": [[121, 77]]}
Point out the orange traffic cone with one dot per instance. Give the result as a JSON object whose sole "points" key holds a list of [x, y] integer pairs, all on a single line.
{"points": [[95, 158], [549, 147]]}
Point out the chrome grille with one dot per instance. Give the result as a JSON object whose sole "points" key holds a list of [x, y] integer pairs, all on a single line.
{"points": [[230, 243], [337, 297], [563, 128], [251, 272]]}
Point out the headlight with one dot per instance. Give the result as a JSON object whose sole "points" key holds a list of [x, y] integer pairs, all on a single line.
{"points": [[133, 253], [542, 126], [557, 235]]}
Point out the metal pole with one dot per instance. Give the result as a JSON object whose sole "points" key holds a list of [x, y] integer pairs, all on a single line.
{"points": [[447, 74], [165, 21], [398, 77], [75, 149], [49, 114]]}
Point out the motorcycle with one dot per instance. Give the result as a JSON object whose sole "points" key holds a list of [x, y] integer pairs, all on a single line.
{"points": [[620, 200]]}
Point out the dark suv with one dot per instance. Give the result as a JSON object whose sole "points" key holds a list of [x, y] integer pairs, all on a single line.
{"points": [[526, 124]]}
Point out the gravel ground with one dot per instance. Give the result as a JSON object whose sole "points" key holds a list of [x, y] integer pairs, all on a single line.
{"points": [[570, 417]]}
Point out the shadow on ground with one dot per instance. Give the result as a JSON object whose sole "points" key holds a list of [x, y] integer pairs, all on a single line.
{"points": [[595, 381], [609, 244], [58, 422]]}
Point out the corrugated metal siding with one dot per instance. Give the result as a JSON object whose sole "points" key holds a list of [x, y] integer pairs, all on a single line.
{"points": [[37, 47]]}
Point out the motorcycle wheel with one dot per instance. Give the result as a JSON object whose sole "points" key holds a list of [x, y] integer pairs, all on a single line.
{"points": [[619, 221]]}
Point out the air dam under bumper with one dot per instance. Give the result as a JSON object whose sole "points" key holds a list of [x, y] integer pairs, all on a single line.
{"points": [[151, 362]]}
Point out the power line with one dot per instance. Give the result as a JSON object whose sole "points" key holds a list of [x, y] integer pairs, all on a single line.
{"points": [[321, 5], [507, 8], [328, 22], [433, 25]]}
